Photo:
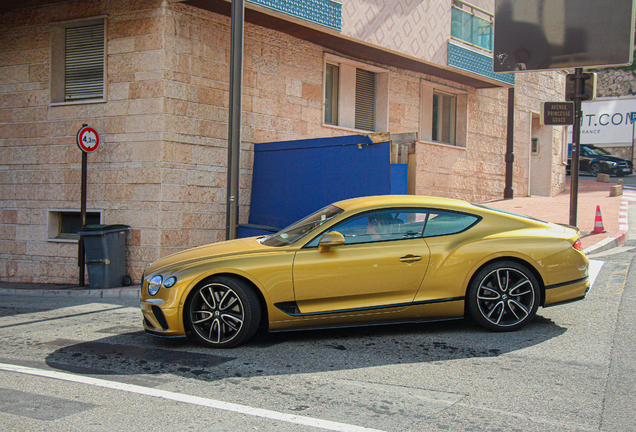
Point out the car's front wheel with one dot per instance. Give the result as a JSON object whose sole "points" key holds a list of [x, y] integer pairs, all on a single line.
{"points": [[503, 296], [222, 312]]}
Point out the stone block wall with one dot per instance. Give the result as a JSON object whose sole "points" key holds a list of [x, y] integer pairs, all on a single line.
{"points": [[531, 89], [161, 165], [41, 163]]}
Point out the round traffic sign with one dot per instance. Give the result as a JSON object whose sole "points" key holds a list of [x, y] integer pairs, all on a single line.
{"points": [[87, 139]]}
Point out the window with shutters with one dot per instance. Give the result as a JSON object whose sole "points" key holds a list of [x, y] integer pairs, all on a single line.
{"points": [[78, 59], [356, 95], [365, 100]]}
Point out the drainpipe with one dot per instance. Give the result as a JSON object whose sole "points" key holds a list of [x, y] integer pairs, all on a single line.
{"points": [[510, 144]]}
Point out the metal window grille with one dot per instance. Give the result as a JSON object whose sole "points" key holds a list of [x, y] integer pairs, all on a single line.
{"points": [[365, 100], [84, 62]]}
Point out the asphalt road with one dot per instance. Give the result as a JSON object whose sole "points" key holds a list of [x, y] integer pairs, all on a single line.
{"points": [[627, 180], [68, 364]]}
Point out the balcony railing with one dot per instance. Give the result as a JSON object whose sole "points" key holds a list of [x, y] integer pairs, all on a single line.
{"points": [[472, 25]]}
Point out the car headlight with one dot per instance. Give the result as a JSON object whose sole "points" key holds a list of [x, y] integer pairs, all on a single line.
{"points": [[169, 283], [611, 164], [154, 285]]}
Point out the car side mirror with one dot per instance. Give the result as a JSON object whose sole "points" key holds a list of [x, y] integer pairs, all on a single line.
{"points": [[329, 240]]}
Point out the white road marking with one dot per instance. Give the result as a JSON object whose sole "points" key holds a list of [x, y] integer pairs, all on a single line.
{"points": [[595, 269], [193, 400]]}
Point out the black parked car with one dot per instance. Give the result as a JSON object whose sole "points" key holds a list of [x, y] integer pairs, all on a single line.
{"points": [[595, 160]]}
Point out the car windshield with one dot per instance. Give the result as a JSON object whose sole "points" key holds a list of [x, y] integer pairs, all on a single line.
{"points": [[301, 228], [596, 151]]}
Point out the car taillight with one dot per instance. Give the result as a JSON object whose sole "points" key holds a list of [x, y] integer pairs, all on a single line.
{"points": [[577, 245]]}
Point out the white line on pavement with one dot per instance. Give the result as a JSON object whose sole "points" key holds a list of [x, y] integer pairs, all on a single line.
{"points": [[595, 269], [193, 400]]}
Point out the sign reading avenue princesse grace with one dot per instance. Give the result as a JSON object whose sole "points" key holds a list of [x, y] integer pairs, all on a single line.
{"points": [[557, 113]]}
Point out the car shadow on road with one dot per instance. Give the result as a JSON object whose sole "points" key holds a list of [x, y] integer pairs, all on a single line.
{"points": [[298, 352]]}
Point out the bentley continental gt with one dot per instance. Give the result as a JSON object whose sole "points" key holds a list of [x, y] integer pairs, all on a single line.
{"points": [[364, 261]]}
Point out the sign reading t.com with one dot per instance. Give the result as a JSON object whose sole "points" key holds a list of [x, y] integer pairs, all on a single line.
{"points": [[607, 122]]}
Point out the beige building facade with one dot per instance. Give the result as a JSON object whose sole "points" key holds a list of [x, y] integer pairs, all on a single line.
{"points": [[162, 114]]}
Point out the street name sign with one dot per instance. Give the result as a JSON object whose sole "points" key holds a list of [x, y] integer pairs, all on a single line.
{"points": [[557, 114]]}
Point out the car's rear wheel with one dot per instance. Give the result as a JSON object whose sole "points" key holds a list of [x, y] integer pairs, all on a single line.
{"points": [[222, 312], [503, 296], [595, 169]]}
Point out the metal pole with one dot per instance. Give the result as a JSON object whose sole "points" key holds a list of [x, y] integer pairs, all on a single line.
{"points": [[632, 157], [81, 257], [579, 96], [509, 191], [234, 124]]}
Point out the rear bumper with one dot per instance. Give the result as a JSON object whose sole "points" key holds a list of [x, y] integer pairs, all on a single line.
{"points": [[566, 292]]}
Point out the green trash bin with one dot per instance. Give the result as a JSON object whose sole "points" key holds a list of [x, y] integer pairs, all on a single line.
{"points": [[105, 250]]}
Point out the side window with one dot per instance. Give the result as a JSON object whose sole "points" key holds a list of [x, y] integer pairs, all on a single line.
{"points": [[445, 223], [380, 225], [444, 114]]}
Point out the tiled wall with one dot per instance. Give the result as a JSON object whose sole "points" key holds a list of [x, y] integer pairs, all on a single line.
{"points": [[416, 28]]}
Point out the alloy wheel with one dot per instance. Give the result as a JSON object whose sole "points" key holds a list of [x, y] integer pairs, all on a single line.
{"points": [[506, 297], [217, 313]]}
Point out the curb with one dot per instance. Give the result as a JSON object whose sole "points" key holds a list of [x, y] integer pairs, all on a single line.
{"points": [[615, 240], [98, 293], [619, 237]]}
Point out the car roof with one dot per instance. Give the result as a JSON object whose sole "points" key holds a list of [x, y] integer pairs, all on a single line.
{"points": [[369, 202]]}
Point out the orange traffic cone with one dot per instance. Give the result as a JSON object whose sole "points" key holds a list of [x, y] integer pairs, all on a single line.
{"points": [[598, 222]]}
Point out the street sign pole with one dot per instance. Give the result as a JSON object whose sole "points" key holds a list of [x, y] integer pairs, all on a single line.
{"points": [[81, 259], [579, 86], [632, 118], [88, 141]]}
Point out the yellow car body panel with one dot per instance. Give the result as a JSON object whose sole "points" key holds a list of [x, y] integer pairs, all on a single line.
{"points": [[410, 278], [359, 275]]}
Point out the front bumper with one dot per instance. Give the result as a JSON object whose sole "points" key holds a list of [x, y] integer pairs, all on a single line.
{"points": [[160, 321]]}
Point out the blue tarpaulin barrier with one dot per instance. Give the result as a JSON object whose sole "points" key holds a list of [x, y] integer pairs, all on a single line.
{"points": [[292, 179]]}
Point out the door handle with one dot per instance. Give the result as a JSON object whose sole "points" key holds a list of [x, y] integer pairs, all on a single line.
{"points": [[410, 258]]}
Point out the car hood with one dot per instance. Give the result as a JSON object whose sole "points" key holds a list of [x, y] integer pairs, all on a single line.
{"points": [[211, 251], [610, 158]]}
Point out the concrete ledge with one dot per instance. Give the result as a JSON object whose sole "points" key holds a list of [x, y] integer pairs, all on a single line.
{"points": [[616, 190], [603, 178]]}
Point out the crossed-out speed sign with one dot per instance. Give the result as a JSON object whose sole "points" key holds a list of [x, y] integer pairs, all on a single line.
{"points": [[87, 139]]}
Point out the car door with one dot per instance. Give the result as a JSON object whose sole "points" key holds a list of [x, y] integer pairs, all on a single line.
{"points": [[445, 233], [381, 263], [584, 159]]}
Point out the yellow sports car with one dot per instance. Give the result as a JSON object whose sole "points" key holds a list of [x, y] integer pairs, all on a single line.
{"points": [[367, 261]]}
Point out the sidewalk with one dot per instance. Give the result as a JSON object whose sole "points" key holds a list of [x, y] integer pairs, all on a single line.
{"points": [[591, 194], [554, 209], [49, 290]]}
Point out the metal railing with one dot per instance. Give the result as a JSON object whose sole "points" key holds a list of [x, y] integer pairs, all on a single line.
{"points": [[472, 25]]}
